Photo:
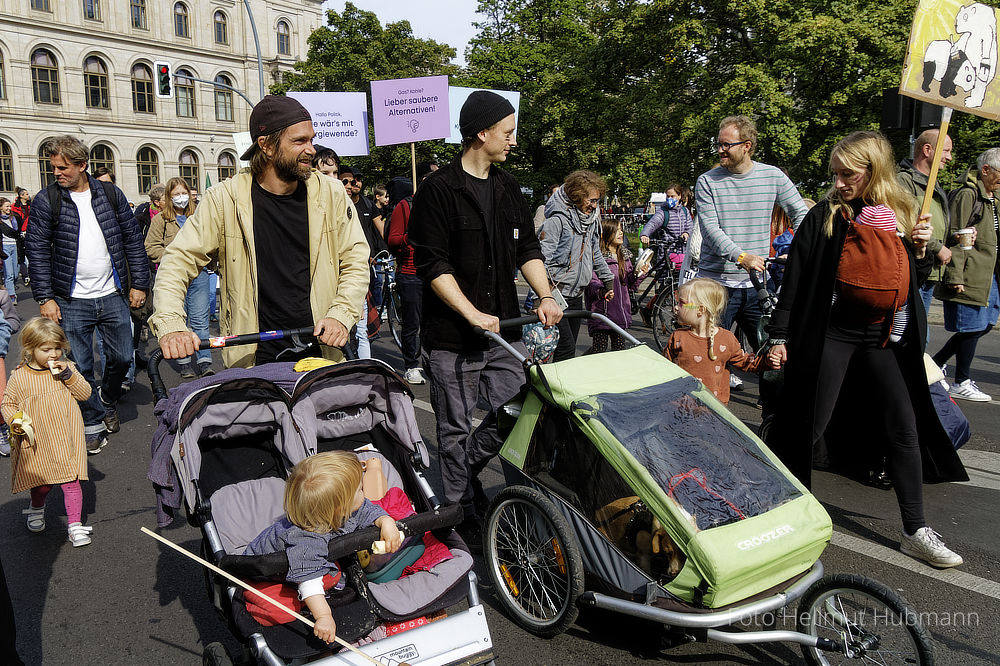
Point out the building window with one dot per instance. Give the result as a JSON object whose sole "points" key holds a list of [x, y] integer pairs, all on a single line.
{"points": [[7, 167], [44, 77], [189, 169], [148, 167], [184, 93], [47, 176], [92, 10], [41, 5], [142, 89], [221, 28], [227, 166], [284, 39], [182, 28], [95, 83], [138, 11], [224, 99], [101, 156]]}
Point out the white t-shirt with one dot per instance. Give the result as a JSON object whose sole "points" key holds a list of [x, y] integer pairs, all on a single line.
{"points": [[94, 277]]}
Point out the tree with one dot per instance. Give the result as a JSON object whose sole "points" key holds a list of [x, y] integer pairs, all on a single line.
{"points": [[354, 49]]}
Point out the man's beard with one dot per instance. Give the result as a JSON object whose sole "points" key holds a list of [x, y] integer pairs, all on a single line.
{"points": [[290, 170]]}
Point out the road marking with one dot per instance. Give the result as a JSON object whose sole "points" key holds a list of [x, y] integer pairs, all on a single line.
{"points": [[426, 406], [961, 579], [983, 468]]}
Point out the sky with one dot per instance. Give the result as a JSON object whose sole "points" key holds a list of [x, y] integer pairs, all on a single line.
{"points": [[446, 21]]}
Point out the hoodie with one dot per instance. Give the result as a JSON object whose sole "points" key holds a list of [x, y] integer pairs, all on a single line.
{"points": [[571, 246]]}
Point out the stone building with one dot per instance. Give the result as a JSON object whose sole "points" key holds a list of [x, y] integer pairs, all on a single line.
{"points": [[85, 67]]}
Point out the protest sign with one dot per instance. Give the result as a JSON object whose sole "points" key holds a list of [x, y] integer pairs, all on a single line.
{"points": [[951, 59], [409, 110], [242, 141], [340, 120], [456, 98]]}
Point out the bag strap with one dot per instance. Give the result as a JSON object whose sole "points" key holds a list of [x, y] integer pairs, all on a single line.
{"points": [[55, 197]]}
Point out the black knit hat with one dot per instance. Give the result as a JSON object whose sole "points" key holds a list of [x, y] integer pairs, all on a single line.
{"points": [[482, 109], [273, 113]]}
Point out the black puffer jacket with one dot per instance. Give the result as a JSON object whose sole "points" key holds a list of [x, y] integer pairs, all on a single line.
{"points": [[52, 245]]}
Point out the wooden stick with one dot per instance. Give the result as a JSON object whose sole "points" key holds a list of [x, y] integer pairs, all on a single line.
{"points": [[263, 596], [936, 160], [413, 165]]}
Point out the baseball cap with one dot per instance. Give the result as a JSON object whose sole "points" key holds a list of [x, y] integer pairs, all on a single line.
{"points": [[273, 113]]}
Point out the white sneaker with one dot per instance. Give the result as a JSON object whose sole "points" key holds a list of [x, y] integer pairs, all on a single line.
{"points": [[926, 545], [414, 376], [79, 534], [735, 383], [968, 390]]}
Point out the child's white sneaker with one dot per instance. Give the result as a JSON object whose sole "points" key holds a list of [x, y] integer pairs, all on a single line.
{"points": [[79, 534], [36, 518], [925, 544]]}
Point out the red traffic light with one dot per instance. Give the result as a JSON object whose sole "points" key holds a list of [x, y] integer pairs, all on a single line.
{"points": [[164, 69]]}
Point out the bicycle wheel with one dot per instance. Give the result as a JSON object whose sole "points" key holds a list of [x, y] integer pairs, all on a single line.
{"points": [[877, 625], [663, 317], [395, 317], [533, 560]]}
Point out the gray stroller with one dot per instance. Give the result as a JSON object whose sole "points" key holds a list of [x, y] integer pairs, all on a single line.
{"points": [[223, 448]]}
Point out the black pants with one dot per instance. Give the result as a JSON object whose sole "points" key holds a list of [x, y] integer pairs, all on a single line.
{"points": [[963, 347], [569, 329], [8, 630], [887, 404], [411, 294]]}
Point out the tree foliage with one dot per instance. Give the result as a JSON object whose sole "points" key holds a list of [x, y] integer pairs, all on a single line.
{"points": [[635, 89]]}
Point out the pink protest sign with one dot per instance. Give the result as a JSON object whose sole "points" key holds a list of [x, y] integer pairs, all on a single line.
{"points": [[407, 110]]}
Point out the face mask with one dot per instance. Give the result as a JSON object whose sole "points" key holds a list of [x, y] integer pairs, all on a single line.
{"points": [[671, 202], [181, 200]]}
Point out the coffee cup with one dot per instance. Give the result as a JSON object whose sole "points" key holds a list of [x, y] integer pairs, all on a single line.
{"points": [[965, 238]]}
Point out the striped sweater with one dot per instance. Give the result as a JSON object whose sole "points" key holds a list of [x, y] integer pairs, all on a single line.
{"points": [[59, 454], [734, 211]]}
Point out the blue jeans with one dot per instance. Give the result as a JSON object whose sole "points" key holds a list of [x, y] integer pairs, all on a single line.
{"points": [[361, 333], [10, 269], [744, 308], [130, 375], [109, 317], [196, 307], [5, 335], [213, 296], [927, 295]]}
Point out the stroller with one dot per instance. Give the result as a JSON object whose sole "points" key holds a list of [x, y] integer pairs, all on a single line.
{"points": [[224, 446], [636, 491]]}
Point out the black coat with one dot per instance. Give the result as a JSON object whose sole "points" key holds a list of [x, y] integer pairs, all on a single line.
{"points": [[450, 234], [802, 316]]}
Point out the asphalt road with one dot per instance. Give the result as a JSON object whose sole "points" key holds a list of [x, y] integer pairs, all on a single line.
{"points": [[126, 600]]}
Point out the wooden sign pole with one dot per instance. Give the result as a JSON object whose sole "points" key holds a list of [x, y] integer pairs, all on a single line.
{"points": [[413, 165], [936, 161]]}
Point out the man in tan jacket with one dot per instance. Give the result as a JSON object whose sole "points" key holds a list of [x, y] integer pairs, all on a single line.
{"points": [[290, 250]]}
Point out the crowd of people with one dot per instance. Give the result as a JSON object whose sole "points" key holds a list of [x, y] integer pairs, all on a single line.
{"points": [[862, 268]]}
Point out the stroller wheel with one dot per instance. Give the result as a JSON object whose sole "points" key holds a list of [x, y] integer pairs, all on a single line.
{"points": [[216, 654], [533, 561], [878, 625]]}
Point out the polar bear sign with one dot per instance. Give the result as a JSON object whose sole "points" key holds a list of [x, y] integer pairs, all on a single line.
{"points": [[951, 59]]}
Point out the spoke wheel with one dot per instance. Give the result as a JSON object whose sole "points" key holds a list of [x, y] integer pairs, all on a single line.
{"points": [[877, 625], [395, 318], [533, 561], [663, 318]]}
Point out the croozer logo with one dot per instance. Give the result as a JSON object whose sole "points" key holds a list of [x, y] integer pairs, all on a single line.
{"points": [[766, 537]]}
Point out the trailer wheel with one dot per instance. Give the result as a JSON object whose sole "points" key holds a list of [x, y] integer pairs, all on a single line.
{"points": [[877, 625], [533, 561], [216, 654]]}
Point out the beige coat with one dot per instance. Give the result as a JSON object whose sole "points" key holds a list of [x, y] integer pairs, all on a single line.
{"points": [[222, 228], [59, 454], [161, 233]]}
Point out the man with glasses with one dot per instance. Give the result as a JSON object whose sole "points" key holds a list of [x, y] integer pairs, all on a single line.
{"points": [[734, 202]]}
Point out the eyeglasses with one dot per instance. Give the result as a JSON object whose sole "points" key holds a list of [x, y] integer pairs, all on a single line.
{"points": [[348, 181], [727, 145], [594, 202]]}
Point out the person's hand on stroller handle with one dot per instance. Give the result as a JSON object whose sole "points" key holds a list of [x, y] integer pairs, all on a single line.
{"points": [[331, 332], [549, 312], [179, 344]]}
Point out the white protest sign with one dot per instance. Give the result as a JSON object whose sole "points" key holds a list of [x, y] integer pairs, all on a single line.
{"points": [[456, 98], [410, 110], [242, 142], [340, 120]]}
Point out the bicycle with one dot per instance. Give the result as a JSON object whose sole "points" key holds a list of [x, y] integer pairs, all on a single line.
{"points": [[658, 313], [390, 308]]}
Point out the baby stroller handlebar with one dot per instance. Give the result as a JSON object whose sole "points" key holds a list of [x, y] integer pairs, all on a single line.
{"points": [[298, 335], [531, 319]]}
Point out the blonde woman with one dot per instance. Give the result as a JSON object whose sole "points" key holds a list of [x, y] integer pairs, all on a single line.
{"points": [[178, 205], [850, 314]]}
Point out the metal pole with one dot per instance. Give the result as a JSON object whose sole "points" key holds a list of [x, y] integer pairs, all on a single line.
{"points": [[216, 84], [256, 41]]}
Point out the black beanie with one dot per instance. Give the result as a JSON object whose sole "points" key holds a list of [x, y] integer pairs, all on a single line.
{"points": [[482, 109]]}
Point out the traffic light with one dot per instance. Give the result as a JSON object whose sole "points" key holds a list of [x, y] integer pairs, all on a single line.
{"points": [[164, 79]]}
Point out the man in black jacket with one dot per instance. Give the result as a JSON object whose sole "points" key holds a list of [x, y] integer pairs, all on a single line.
{"points": [[86, 257], [470, 229]]}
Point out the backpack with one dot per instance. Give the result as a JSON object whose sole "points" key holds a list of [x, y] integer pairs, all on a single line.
{"points": [[55, 196]]}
